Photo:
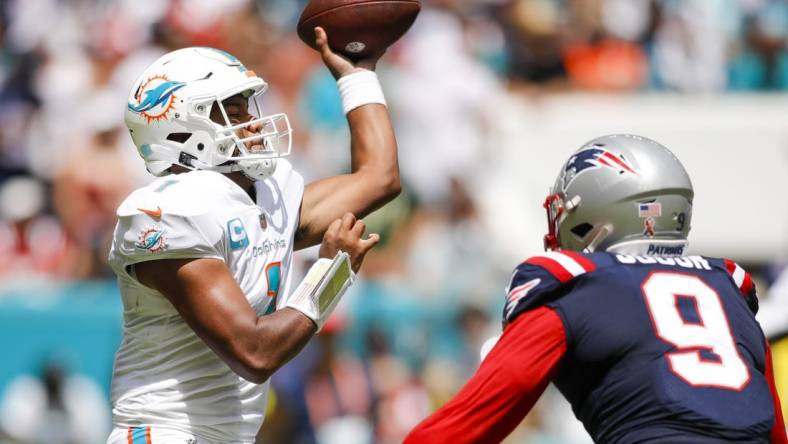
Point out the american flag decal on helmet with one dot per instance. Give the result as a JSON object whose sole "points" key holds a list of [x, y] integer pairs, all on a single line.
{"points": [[650, 209]]}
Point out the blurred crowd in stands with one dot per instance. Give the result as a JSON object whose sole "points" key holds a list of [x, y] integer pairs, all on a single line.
{"points": [[409, 334]]}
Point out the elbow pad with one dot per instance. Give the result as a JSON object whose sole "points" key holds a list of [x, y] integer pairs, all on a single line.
{"points": [[322, 288]]}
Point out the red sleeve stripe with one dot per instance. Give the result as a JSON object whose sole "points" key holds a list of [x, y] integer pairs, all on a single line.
{"points": [[740, 277], [746, 286], [561, 265], [777, 435], [505, 387]]}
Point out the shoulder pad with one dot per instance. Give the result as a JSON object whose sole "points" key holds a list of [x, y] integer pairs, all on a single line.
{"points": [[174, 217], [536, 281], [187, 194], [143, 237]]}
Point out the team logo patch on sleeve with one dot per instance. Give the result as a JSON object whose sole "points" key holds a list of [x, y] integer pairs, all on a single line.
{"points": [[519, 292], [151, 239]]}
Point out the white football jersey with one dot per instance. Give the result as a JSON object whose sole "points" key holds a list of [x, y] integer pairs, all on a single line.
{"points": [[164, 375]]}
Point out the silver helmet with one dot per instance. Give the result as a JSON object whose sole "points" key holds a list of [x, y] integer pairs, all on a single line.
{"points": [[620, 193]]}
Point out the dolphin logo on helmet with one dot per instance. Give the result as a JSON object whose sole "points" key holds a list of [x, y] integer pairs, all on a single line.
{"points": [[155, 92], [157, 96]]}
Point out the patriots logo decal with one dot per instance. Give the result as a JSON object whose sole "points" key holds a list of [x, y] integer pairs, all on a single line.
{"points": [[595, 158], [515, 294]]}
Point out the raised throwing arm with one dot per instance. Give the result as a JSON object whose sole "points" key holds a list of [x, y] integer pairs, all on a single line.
{"points": [[374, 177]]}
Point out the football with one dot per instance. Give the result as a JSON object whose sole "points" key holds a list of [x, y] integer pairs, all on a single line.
{"points": [[358, 28]]}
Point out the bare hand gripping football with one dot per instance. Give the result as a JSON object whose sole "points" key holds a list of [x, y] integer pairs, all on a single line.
{"points": [[358, 28]]}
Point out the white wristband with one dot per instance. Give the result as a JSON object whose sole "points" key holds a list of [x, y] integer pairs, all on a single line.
{"points": [[360, 88]]}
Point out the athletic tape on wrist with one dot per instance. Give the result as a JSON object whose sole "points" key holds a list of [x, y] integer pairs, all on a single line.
{"points": [[360, 88], [322, 288]]}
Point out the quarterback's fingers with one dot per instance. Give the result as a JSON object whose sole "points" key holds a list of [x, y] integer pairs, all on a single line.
{"points": [[368, 243], [333, 228], [321, 40], [358, 228], [348, 219], [336, 63], [331, 240]]}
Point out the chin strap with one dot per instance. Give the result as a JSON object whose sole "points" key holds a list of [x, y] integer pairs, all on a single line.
{"points": [[651, 247]]}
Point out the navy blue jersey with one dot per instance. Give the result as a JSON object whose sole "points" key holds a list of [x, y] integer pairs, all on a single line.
{"points": [[659, 349]]}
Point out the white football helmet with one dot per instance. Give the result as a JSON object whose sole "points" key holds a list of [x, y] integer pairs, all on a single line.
{"points": [[169, 108]]}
